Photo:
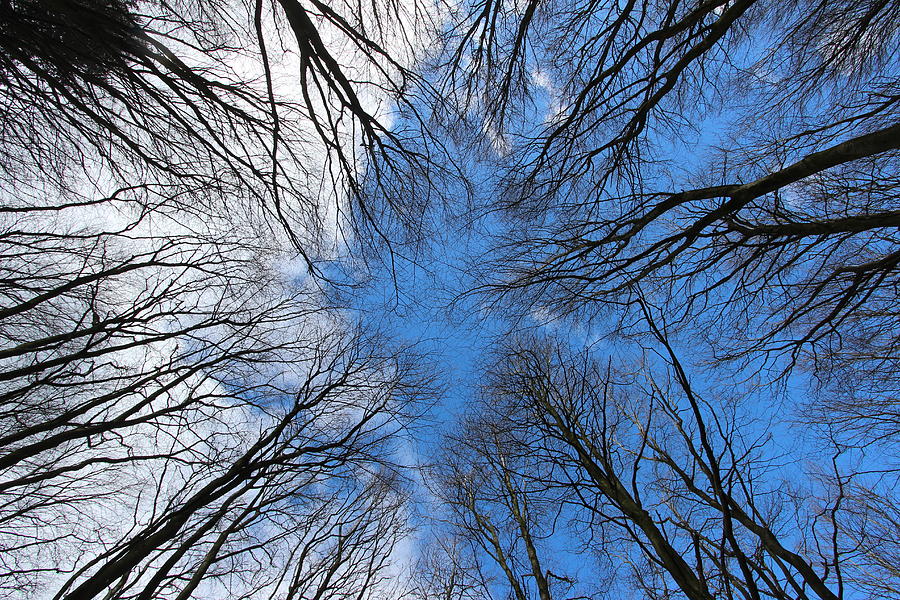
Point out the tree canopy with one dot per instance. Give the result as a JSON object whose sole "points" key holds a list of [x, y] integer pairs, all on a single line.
{"points": [[680, 220]]}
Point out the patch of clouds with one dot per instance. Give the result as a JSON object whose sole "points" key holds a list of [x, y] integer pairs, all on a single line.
{"points": [[556, 109], [498, 140]]}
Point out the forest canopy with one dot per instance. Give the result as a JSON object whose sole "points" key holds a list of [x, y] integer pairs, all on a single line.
{"points": [[660, 239]]}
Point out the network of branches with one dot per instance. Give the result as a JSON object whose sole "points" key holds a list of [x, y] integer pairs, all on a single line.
{"points": [[687, 217]]}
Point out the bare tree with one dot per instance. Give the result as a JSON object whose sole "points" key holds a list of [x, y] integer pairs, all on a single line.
{"points": [[710, 180], [732, 167], [184, 412], [495, 508], [735, 160], [173, 446], [189, 106], [444, 572], [667, 490]]}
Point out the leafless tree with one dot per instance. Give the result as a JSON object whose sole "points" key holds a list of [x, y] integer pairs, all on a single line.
{"points": [[731, 167], [184, 412], [494, 509], [736, 161], [666, 490], [720, 173], [277, 110], [242, 442], [444, 571], [723, 174]]}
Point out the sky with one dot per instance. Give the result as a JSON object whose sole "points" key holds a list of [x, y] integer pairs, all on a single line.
{"points": [[418, 297]]}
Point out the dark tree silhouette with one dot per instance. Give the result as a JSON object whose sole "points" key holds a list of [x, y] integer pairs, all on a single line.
{"points": [[220, 109], [736, 160], [733, 163], [184, 412], [660, 490], [708, 192]]}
